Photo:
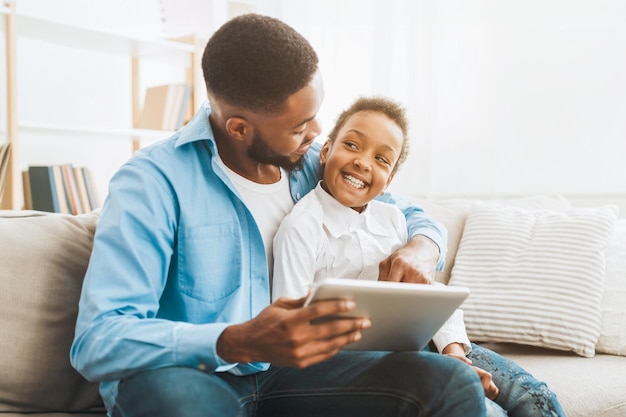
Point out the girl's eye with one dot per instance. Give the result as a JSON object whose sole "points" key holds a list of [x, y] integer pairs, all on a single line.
{"points": [[350, 145], [382, 159]]}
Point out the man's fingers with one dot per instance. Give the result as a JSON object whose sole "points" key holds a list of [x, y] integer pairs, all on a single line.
{"points": [[322, 348], [290, 303], [398, 270], [325, 308], [383, 269], [320, 351], [326, 316], [391, 270], [414, 262]]}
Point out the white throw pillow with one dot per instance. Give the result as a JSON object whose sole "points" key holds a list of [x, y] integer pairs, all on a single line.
{"points": [[452, 213], [536, 276], [613, 334]]}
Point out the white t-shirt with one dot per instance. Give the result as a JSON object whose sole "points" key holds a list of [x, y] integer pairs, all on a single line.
{"points": [[268, 203], [322, 238]]}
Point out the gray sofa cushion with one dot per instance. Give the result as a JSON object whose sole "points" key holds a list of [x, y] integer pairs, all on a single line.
{"points": [[43, 258]]}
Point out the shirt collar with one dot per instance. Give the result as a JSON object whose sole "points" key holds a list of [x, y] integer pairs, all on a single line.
{"points": [[198, 128], [340, 220]]}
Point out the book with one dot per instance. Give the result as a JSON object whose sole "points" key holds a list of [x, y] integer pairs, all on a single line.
{"points": [[154, 106], [185, 106], [62, 197], [4, 165], [82, 190], [165, 107], [42, 189], [170, 115], [90, 187], [70, 188], [59, 188], [28, 204], [4, 156]]}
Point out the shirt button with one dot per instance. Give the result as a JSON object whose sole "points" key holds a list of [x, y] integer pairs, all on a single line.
{"points": [[298, 196], [202, 366]]}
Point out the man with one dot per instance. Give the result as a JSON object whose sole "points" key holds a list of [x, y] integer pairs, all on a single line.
{"points": [[175, 316]]}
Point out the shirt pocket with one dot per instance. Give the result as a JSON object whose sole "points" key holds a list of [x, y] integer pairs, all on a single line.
{"points": [[210, 261]]}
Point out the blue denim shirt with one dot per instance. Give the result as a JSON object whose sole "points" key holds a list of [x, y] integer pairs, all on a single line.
{"points": [[177, 257]]}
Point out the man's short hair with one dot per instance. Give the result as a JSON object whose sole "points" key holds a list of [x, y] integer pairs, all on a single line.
{"points": [[256, 62]]}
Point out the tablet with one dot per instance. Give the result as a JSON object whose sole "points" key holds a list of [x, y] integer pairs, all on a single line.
{"points": [[404, 316]]}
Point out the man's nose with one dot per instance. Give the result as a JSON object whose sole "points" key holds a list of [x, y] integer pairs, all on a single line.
{"points": [[314, 129]]}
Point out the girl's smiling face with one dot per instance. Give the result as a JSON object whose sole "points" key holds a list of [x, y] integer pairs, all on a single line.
{"points": [[359, 163]]}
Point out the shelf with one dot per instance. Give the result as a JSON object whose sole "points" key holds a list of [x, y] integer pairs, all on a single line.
{"points": [[94, 131], [28, 31], [106, 41]]}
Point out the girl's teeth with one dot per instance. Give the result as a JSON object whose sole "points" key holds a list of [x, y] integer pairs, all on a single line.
{"points": [[354, 181]]}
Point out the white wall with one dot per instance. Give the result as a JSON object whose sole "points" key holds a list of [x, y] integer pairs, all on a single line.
{"points": [[505, 97], [526, 97]]}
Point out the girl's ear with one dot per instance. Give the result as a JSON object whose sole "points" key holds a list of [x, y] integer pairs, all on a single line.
{"points": [[238, 128], [387, 185], [324, 152]]}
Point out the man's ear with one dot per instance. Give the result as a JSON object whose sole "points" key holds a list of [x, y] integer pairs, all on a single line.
{"points": [[238, 128], [324, 152]]}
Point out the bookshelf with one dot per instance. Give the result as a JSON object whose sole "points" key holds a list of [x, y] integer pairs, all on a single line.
{"points": [[137, 50], [11, 197], [122, 134]]}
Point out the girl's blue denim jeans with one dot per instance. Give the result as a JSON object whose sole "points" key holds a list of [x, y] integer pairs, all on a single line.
{"points": [[521, 394]]}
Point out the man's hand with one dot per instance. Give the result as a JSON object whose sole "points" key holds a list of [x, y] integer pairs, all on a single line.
{"points": [[456, 350], [284, 335], [414, 262]]}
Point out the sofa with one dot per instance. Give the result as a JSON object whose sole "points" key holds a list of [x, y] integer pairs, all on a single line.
{"points": [[43, 258]]}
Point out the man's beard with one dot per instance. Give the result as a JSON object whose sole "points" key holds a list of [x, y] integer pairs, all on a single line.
{"points": [[260, 151]]}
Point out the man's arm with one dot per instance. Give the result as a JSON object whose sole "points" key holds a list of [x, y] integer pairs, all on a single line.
{"points": [[117, 330], [424, 253]]}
